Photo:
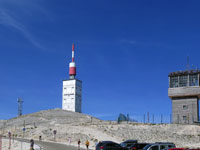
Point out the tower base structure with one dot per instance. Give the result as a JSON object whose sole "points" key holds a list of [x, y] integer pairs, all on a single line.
{"points": [[72, 95], [185, 110]]}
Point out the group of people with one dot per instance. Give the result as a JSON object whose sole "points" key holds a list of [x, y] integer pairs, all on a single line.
{"points": [[87, 143]]}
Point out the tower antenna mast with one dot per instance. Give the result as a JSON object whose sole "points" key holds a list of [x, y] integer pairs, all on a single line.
{"points": [[188, 63], [72, 65], [20, 102]]}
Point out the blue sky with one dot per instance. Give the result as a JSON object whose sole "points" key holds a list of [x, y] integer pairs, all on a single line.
{"points": [[124, 52]]}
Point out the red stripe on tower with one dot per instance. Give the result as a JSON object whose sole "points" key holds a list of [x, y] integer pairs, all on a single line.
{"points": [[72, 65]]}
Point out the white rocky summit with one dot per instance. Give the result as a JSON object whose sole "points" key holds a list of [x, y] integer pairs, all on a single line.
{"points": [[83, 127]]}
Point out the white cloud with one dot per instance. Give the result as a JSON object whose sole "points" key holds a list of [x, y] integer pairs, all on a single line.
{"points": [[143, 43], [7, 20], [19, 14]]}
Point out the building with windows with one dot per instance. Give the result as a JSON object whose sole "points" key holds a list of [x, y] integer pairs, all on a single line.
{"points": [[184, 91], [72, 95], [72, 89]]}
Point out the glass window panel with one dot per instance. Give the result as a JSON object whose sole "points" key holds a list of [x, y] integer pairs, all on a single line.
{"points": [[183, 80], [163, 147], [154, 148], [185, 107], [184, 118], [173, 82], [193, 80]]}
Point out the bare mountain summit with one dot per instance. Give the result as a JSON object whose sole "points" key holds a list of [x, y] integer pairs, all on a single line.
{"points": [[80, 126]]}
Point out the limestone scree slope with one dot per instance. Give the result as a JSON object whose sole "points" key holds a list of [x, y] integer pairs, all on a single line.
{"points": [[81, 126]]}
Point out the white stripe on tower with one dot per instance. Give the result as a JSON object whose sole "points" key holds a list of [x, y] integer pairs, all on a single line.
{"points": [[72, 64], [72, 54]]}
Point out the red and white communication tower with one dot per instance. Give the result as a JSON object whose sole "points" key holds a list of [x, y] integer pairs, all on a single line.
{"points": [[72, 89], [72, 65]]}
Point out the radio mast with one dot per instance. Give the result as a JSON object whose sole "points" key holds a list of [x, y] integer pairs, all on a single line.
{"points": [[20, 101]]}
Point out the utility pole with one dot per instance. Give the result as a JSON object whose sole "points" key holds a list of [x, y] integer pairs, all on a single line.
{"points": [[4, 126]]}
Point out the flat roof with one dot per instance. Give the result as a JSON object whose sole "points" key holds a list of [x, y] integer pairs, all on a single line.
{"points": [[72, 79], [185, 72]]}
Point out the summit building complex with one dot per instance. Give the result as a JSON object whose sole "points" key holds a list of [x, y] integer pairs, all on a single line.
{"points": [[184, 91], [72, 89]]}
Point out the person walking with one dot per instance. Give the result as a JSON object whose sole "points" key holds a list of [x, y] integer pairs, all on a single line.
{"points": [[96, 142], [32, 144], [69, 140], [87, 143], [40, 138], [79, 142]]}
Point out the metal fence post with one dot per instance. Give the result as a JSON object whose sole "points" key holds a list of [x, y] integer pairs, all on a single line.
{"points": [[153, 118], [0, 142]]}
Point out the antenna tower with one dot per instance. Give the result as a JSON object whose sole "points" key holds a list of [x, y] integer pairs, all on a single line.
{"points": [[188, 63], [20, 101]]}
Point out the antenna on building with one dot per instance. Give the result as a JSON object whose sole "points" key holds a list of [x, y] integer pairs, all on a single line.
{"points": [[192, 67], [20, 101], [188, 63], [72, 65]]}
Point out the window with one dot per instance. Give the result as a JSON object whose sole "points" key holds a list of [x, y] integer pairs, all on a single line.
{"points": [[171, 146], [116, 145], [183, 81], [184, 118], [141, 146], [154, 148], [193, 80], [185, 107], [163, 147], [173, 82], [110, 144]]}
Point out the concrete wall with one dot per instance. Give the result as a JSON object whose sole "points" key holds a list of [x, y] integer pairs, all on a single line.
{"points": [[184, 91], [185, 110]]}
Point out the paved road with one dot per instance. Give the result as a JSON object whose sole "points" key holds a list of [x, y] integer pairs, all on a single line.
{"points": [[52, 146], [55, 146]]}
